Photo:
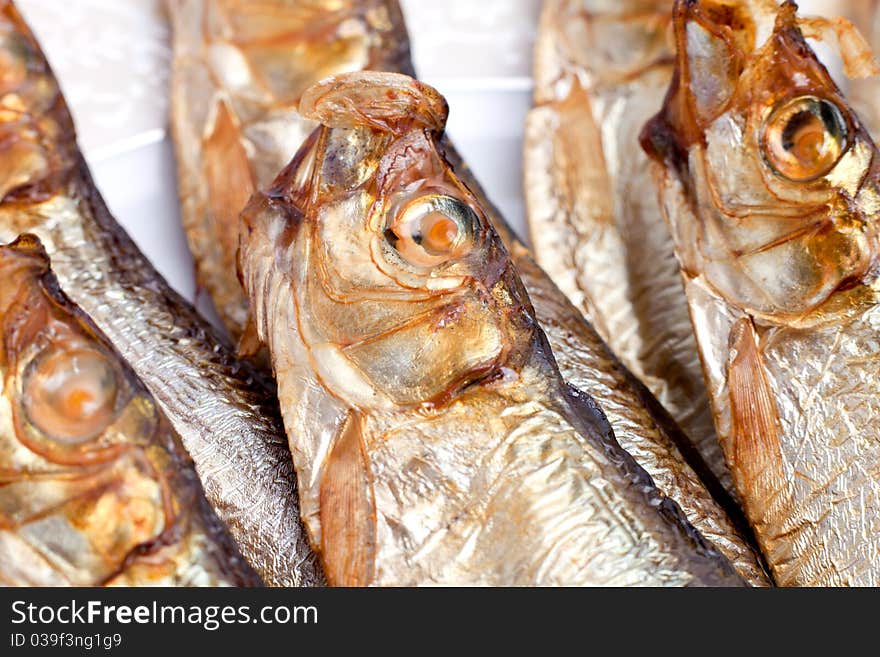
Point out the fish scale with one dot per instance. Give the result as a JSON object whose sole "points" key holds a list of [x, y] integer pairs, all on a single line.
{"points": [[640, 424], [191, 371]]}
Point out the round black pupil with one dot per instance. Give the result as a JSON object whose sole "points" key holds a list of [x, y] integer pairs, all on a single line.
{"points": [[803, 120]]}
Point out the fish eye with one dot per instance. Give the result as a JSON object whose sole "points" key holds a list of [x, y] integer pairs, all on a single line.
{"points": [[432, 229], [804, 138], [70, 394]]}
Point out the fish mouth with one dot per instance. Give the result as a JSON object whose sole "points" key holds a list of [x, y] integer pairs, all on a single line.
{"points": [[387, 102], [713, 39]]}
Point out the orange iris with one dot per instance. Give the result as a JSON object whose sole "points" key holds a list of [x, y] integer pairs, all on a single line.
{"points": [[439, 233], [433, 229], [71, 394]]}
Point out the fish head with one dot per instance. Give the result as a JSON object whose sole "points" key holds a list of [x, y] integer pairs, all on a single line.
{"points": [[398, 280], [83, 447], [68, 390], [774, 176]]}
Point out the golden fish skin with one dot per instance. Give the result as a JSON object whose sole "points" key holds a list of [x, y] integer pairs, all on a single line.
{"points": [[635, 428], [96, 488], [641, 425], [595, 224], [239, 70], [769, 182], [434, 439], [224, 412]]}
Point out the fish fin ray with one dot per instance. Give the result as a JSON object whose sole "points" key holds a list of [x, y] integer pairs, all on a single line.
{"points": [[348, 510], [229, 177], [249, 343], [755, 454]]}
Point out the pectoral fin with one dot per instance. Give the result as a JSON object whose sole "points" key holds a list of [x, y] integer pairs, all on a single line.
{"points": [[348, 510], [229, 178], [754, 453]]}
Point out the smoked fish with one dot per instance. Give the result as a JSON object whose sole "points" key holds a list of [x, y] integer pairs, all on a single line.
{"points": [[434, 438], [224, 411], [96, 487], [280, 129], [769, 182]]}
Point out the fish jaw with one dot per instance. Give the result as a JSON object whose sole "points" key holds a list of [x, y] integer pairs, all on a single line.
{"points": [[97, 489]]}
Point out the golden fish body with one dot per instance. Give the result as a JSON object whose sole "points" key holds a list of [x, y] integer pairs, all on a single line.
{"points": [[580, 353], [641, 425], [96, 486], [434, 440], [596, 225], [224, 412], [769, 183], [239, 70]]}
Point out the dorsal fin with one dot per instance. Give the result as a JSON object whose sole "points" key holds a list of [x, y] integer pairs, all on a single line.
{"points": [[348, 510], [755, 455]]}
